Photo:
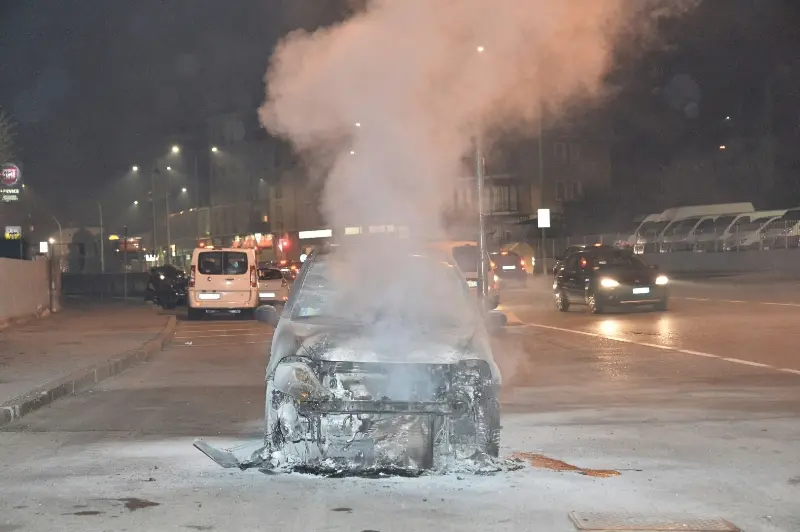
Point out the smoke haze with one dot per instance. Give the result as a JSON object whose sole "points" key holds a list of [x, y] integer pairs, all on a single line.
{"points": [[384, 105]]}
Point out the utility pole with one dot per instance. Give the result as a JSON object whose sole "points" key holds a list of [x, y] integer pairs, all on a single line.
{"points": [[125, 266], [102, 240], [483, 266], [153, 201], [168, 256]]}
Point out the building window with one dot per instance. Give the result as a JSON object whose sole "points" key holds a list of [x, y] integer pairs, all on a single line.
{"points": [[561, 191], [577, 190], [504, 199], [560, 152], [574, 152]]}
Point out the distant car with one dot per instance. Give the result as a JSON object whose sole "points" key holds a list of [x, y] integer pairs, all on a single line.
{"points": [[509, 267], [166, 286], [601, 278], [574, 249], [273, 285]]}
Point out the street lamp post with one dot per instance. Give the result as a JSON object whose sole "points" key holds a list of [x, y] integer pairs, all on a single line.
{"points": [[483, 266], [102, 243], [153, 201]]}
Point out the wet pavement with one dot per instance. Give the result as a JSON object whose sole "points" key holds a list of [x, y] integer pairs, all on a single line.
{"points": [[688, 431], [82, 335]]}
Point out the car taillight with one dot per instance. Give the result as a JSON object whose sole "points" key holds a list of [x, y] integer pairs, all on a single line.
{"points": [[191, 277], [253, 278]]}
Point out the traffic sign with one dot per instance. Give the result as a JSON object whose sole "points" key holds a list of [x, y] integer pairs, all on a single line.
{"points": [[543, 218]]}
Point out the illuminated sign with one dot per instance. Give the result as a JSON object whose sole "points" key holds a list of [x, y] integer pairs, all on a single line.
{"points": [[13, 232], [319, 233], [10, 183], [543, 218]]}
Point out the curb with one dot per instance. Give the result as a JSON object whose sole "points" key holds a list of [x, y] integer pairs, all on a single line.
{"points": [[5, 323], [85, 378]]}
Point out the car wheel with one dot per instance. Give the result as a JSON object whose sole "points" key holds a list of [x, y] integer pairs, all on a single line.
{"points": [[194, 314], [662, 305], [562, 303], [594, 305]]}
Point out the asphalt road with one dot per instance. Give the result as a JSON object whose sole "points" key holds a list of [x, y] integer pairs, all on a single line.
{"points": [[653, 396]]}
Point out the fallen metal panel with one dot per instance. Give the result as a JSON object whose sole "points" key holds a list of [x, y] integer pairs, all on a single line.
{"points": [[225, 459], [628, 522]]}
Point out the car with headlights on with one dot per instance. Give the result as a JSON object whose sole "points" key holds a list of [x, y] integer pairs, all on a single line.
{"points": [[601, 278], [364, 375], [560, 258]]}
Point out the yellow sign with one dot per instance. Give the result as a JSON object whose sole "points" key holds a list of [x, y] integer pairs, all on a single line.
{"points": [[13, 232]]}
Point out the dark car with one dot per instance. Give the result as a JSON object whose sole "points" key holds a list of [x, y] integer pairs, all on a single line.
{"points": [[166, 286], [574, 249], [509, 267], [601, 278]]}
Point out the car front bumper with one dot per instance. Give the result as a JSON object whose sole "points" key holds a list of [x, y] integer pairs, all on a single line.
{"points": [[623, 295]]}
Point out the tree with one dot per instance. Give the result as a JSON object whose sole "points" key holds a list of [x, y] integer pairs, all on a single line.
{"points": [[7, 137]]}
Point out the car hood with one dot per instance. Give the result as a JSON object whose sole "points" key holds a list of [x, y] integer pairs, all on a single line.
{"points": [[627, 275], [357, 344]]}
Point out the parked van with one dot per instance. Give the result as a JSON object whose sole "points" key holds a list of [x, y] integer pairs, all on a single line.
{"points": [[746, 230], [783, 232], [466, 256], [651, 233], [223, 280]]}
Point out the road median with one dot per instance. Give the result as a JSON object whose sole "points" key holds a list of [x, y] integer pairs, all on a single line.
{"points": [[103, 362]]}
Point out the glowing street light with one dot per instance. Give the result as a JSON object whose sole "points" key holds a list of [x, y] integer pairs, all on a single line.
{"points": [[480, 49], [352, 152], [358, 124], [169, 168], [51, 240], [214, 149], [135, 168], [723, 148], [183, 189], [136, 202], [176, 149]]}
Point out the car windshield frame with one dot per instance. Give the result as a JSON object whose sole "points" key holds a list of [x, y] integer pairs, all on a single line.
{"points": [[632, 261], [315, 283]]}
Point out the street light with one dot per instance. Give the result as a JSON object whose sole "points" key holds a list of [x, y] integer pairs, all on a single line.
{"points": [[214, 149], [480, 49], [169, 168], [135, 168], [358, 124], [176, 149], [51, 240], [183, 189], [136, 202], [352, 152]]}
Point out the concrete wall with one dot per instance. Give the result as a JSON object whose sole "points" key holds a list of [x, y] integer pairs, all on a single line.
{"points": [[778, 260], [24, 288], [104, 285]]}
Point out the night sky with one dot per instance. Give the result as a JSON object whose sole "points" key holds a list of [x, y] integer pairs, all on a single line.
{"points": [[99, 85]]}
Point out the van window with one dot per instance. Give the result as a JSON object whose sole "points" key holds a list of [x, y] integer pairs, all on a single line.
{"points": [[222, 263], [270, 274]]}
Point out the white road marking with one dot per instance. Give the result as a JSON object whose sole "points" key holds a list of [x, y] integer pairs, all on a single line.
{"points": [[186, 329], [217, 336], [231, 344], [749, 363], [736, 301], [658, 346]]}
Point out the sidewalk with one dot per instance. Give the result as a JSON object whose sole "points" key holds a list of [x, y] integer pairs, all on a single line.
{"points": [[48, 358]]}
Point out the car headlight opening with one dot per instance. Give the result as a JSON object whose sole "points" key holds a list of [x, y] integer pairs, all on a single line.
{"points": [[608, 283], [662, 280]]}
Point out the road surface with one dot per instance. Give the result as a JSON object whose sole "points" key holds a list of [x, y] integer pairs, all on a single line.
{"points": [[697, 409]]}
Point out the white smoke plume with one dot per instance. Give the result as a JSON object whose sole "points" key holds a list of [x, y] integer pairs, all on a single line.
{"points": [[388, 102]]}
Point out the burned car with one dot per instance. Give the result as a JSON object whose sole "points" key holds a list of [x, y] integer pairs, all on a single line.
{"points": [[356, 381]]}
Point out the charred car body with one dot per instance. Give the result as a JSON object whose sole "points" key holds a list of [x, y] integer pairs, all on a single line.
{"points": [[348, 389]]}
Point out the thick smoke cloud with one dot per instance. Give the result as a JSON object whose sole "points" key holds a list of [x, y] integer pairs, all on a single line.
{"points": [[422, 77]]}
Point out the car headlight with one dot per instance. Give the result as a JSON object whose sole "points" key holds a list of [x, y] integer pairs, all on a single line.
{"points": [[662, 280], [608, 283], [297, 379]]}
